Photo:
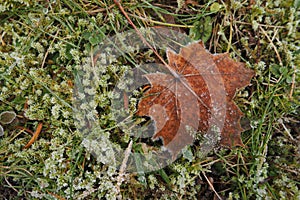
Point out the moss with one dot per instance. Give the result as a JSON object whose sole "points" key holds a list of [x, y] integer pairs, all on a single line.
{"points": [[45, 45]]}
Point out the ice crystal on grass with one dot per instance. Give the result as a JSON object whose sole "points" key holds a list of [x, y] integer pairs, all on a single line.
{"points": [[57, 164]]}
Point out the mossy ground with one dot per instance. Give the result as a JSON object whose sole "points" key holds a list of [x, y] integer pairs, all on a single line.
{"points": [[43, 42]]}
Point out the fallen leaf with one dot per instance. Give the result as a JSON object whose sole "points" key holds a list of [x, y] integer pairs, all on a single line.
{"points": [[35, 135], [197, 95]]}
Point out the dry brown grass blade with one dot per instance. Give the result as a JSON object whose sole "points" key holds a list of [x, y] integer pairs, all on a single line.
{"points": [[141, 36], [293, 82], [35, 135], [56, 196], [211, 186]]}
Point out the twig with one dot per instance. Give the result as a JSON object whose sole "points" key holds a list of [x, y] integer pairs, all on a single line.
{"points": [[122, 169], [293, 83], [25, 129], [271, 42], [56, 196], [12, 187], [211, 186], [287, 131], [141, 36], [35, 135], [22, 129], [47, 52], [230, 35]]}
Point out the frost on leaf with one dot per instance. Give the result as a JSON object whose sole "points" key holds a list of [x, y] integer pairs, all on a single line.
{"points": [[197, 93]]}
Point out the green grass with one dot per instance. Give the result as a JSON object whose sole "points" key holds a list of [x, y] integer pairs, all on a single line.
{"points": [[44, 43]]}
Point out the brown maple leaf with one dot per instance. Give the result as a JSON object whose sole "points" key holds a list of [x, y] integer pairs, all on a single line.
{"points": [[197, 95]]}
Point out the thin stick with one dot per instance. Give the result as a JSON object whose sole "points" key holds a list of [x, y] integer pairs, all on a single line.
{"points": [[141, 36], [122, 169], [230, 34], [35, 135], [24, 129], [293, 83], [12, 187], [47, 52], [271, 42], [56, 196], [211, 186]]}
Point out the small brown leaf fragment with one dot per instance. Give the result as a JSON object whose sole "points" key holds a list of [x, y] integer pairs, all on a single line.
{"points": [[35, 135], [196, 95], [56, 196], [191, 2]]}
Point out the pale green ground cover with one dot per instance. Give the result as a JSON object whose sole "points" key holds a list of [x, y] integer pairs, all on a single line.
{"points": [[43, 42]]}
